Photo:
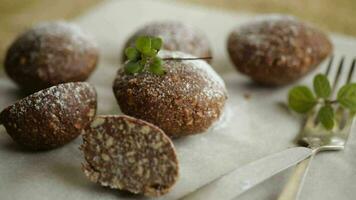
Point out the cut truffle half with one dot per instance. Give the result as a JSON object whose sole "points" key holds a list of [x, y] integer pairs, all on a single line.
{"points": [[129, 154]]}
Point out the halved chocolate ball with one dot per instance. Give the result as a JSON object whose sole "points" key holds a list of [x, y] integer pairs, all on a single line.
{"points": [[125, 153], [52, 117]]}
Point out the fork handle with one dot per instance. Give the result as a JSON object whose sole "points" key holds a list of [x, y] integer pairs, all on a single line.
{"points": [[295, 183]]}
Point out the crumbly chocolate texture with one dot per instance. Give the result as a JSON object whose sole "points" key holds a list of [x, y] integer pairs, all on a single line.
{"points": [[52, 117], [176, 36], [184, 101], [129, 154], [277, 49], [49, 54]]}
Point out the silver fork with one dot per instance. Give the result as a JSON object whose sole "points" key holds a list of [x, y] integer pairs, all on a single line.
{"points": [[319, 139]]}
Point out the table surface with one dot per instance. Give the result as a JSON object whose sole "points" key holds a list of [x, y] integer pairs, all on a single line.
{"points": [[247, 130]]}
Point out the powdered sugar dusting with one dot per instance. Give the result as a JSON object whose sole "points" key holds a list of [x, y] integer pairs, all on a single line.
{"points": [[55, 96], [77, 39], [200, 65], [257, 31]]}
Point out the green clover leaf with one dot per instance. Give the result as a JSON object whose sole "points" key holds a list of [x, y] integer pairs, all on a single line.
{"points": [[301, 99], [143, 44], [151, 53], [156, 66], [347, 96], [144, 55], [326, 117], [322, 86], [132, 54], [133, 67], [156, 43]]}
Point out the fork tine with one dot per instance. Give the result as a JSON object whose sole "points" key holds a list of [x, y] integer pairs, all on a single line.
{"points": [[352, 68], [329, 65], [337, 76], [345, 116]]}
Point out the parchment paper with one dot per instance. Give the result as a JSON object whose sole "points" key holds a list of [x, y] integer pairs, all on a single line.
{"points": [[250, 128]]}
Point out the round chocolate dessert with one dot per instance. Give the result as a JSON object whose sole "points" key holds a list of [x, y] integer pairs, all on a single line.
{"points": [[51, 117], [176, 36], [49, 54], [186, 100], [277, 49]]}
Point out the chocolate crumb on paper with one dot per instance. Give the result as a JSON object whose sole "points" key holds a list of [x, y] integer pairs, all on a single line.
{"points": [[247, 96], [129, 154]]}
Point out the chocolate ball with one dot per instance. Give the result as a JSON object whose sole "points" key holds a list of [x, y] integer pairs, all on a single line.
{"points": [[277, 49], [176, 36], [49, 54], [186, 100], [51, 117]]}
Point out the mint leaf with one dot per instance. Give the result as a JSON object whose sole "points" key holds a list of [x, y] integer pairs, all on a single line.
{"points": [[301, 99], [156, 66], [326, 116], [322, 86], [151, 53], [156, 43], [143, 44], [143, 57], [347, 96], [133, 67], [132, 53]]}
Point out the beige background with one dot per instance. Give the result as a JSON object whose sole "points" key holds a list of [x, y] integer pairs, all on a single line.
{"points": [[337, 16]]}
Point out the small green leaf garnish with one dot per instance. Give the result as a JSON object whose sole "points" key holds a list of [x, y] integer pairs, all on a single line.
{"points": [[322, 86], [132, 54], [156, 43], [326, 116], [143, 44], [347, 96], [155, 66], [301, 99], [133, 67], [143, 56]]}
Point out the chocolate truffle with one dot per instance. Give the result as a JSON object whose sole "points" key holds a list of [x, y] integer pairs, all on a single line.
{"points": [[49, 54], [176, 36], [51, 117], [277, 49], [186, 100], [129, 154]]}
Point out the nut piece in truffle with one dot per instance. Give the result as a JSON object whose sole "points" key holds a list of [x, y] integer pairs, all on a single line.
{"points": [[277, 49], [186, 100], [52, 117], [176, 36], [50, 53], [129, 154]]}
